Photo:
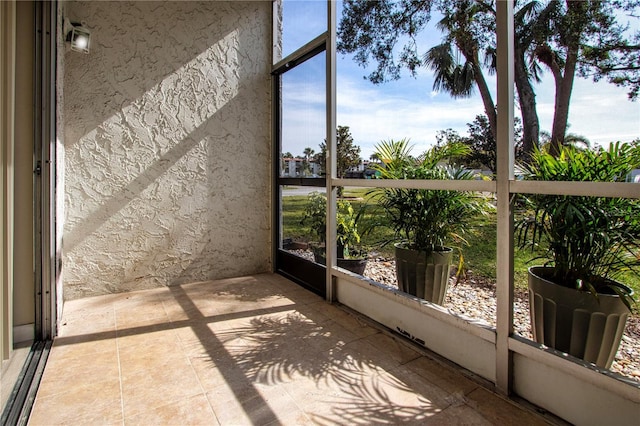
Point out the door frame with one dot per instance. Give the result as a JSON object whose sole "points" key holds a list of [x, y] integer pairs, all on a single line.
{"points": [[306, 273]]}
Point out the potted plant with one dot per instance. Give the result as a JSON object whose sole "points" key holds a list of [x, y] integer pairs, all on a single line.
{"points": [[425, 220], [349, 255], [576, 304]]}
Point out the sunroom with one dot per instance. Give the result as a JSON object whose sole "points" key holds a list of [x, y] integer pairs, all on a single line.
{"points": [[143, 154]]}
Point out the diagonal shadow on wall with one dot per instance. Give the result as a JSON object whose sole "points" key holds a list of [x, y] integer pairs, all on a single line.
{"points": [[77, 234], [135, 46], [164, 151]]}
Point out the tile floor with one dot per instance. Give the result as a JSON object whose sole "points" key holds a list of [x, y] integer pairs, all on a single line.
{"points": [[246, 351]]}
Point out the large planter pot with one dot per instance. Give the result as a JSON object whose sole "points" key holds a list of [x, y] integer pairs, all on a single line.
{"points": [[576, 322], [423, 274], [356, 265]]}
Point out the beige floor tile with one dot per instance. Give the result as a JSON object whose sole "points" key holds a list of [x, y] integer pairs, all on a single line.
{"points": [[80, 403], [152, 356], [106, 416], [249, 350], [212, 345], [458, 415], [326, 412], [285, 322], [84, 345], [218, 307], [331, 335], [230, 325], [366, 353], [233, 412], [90, 305], [136, 298], [252, 295], [215, 357], [319, 386], [388, 398], [211, 377], [181, 308], [132, 314], [146, 332], [278, 283], [353, 323], [442, 376], [194, 410], [351, 359], [297, 418], [301, 296], [62, 372], [152, 388], [393, 348], [499, 411], [251, 404], [367, 400], [274, 301], [244, 361], [205, 344], [75, 325], [236, 386], [318, 312]]}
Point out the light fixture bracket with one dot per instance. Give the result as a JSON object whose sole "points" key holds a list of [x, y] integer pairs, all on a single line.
{"points": [[78, 36]]}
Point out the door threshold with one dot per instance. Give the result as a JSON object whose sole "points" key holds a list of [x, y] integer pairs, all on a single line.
{"points": [[23, 395]]}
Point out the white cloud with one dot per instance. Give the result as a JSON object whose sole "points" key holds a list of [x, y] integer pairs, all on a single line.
{"points": [[373, 117], [412, 108], [409, 108], [600, 111]]}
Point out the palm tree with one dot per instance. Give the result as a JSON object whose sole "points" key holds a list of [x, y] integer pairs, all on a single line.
{"points": [[308, 154], [575, 140], [451, 74], [564, 37]]}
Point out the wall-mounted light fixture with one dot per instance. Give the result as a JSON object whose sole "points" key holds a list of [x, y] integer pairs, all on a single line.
{"points": [[78, 35]]}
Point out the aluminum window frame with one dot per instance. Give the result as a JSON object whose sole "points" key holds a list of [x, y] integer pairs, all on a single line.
{"points": [[504, 187]]}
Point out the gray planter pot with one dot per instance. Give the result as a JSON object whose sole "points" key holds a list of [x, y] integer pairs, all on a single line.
{"points": [[575, 322], [422, 274], [356, 266]]}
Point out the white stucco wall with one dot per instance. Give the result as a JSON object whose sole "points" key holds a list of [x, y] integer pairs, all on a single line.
{"points": [[167, 145]]}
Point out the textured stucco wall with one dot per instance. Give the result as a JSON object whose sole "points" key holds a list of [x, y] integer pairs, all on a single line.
{"points": [[167, 145]]}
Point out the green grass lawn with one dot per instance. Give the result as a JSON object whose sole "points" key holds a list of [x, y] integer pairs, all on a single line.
{"points": [[479, 254]]}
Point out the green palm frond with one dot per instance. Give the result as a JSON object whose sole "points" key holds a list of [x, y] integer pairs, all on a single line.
{"points": [[589, 240]]}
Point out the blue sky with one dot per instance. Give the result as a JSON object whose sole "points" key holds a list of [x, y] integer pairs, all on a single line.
{"points": [[409, 107]]}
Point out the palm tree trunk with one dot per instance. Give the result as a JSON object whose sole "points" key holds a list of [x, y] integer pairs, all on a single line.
{"points": [[527, 102], [564, 87], [564, 77], [487, 100]]}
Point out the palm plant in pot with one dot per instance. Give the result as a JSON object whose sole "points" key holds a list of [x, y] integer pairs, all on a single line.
{"points": [[350, 255], [425, 220], [576, 304]]}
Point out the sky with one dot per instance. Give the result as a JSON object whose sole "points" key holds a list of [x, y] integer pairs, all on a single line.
{"points": [[409, 107]]}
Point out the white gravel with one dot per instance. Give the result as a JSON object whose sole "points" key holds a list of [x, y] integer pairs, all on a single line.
{"points": [[475, 297]]}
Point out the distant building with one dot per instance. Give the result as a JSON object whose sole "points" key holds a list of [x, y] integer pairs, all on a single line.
{"points": [[294, 167]]}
